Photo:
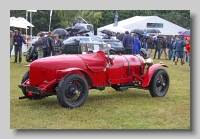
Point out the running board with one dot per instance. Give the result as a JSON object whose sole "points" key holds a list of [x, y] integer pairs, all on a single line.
{"points": [[139, 87]]}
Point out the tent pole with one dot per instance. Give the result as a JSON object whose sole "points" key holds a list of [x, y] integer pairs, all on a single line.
{"points": [[26, 28], [50, 20], [31, 23]]}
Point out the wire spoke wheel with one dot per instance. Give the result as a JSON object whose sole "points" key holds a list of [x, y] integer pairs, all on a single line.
{"points": [[73, 91], [159, 84]]}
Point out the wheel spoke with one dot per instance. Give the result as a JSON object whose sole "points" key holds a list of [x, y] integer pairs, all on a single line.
{"points": [[74, 91], [159, 85], [162, 79]]}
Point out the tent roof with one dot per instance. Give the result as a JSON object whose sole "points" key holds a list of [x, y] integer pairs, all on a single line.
{"points": [[140, 22]]}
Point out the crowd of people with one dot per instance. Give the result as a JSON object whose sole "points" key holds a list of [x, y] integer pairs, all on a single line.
{"points": [[54, 45], [173, 47]]}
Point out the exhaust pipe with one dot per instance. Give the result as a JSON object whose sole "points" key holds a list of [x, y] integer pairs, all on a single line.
{"points": [[23, 97], [20, 86]]}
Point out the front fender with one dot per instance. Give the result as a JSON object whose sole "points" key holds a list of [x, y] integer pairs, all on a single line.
{"points": [[149, 73]]}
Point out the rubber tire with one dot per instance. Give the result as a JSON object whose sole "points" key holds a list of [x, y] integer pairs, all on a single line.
{"points": [[24, 78], [152, 84], [61, 91], [31, 51]]}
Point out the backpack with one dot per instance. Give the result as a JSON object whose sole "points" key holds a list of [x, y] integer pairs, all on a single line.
{"points": [[45, 43]]}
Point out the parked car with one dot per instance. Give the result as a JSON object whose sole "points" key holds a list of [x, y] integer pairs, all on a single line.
{"points": [[70, 77], [73, 44], [83, 38], [115, 44], [101, 37]]}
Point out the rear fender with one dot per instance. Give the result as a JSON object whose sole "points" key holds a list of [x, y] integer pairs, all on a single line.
{"points": [[62, 73], [149, 73]]}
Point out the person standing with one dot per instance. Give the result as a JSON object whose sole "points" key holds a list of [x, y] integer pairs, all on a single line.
{"points": [[106, 36], [11, 41], [58, 45], [188, 51], [158, 43], [163, 48], [127, 42], [179, 45], [170, 49], [18, 40], [48, 51], [185, 52], [39, 45], [150, 43], [137, 45], [69, 31], [144, 43]]}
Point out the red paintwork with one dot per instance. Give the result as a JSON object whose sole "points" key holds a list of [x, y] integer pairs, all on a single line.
{"points": [[150, 73], [46, 73]]}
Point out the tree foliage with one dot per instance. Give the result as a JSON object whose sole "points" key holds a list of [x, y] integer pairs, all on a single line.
{"points": [[99, 18]]}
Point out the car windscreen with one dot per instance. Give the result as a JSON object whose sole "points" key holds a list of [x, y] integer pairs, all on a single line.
{"points": [[95, 39], [85, 39]]}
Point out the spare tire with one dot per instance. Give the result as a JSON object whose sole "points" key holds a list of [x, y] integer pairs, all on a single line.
{"points": [[29, 56]]}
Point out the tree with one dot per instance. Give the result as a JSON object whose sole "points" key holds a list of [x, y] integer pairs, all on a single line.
{"points": [[99, 18], [69, 16], [40, 20]]}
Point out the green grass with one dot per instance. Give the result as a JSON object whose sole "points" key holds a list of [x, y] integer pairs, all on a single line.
{"points": [[107, 109]]}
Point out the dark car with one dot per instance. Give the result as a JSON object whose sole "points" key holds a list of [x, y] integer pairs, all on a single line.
{"points": [[73, 44], [115, 44]]}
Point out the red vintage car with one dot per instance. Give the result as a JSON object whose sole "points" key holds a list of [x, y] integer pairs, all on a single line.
{"points": [[70, 77]]}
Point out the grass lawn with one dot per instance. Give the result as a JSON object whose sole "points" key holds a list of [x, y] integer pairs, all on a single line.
{"points": [[107, 109]]}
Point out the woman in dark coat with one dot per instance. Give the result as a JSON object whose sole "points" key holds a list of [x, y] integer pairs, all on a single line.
{"points": [[150, 44], [158, 43]]}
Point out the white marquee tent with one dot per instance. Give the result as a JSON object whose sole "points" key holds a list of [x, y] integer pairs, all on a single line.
{"points": [[140, 22]]}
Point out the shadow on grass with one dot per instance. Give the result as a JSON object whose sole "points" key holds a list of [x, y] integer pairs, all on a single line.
{"points": [[94, 98]]}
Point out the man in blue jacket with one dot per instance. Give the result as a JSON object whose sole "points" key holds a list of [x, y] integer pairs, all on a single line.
{"points": [[18, 40], [127, 43], [137, 45], [179, 46]]}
